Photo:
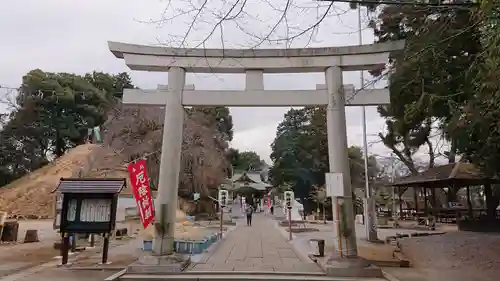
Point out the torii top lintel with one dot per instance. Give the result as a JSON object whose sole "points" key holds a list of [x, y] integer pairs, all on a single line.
{"points": [[350, 58]]}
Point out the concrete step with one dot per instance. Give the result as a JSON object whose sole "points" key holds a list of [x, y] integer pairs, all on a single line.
{"points": [[236, 276]]}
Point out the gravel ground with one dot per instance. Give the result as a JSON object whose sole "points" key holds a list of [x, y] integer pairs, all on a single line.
{"points": [[62, 274], [371, 251], [457, 256], [31, 252]]}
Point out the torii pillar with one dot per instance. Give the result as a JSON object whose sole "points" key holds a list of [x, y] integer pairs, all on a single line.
{"points": [[254, 63]]}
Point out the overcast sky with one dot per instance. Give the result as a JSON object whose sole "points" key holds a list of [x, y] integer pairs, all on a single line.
{"points": [[71, 36]]}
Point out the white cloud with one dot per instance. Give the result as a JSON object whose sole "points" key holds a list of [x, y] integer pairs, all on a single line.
{"points": [[71, 36], [259, 138]]}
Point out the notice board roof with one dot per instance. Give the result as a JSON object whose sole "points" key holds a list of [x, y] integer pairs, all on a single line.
{"points": [[91, 185]]}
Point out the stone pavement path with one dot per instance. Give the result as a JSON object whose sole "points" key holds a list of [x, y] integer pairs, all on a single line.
{"points": [[260, 248]]}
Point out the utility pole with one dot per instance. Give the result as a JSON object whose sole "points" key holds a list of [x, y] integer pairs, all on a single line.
{"points": [[369, 204]]}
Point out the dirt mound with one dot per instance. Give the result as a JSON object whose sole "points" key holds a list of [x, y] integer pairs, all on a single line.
{"points": [[129, 134], [31, 196]]}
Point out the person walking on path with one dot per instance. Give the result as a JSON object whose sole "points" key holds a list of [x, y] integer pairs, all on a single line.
{"points": [[249, 212]]}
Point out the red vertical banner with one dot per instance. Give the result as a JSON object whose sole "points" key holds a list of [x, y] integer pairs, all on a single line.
{"points": [[140, 187]]}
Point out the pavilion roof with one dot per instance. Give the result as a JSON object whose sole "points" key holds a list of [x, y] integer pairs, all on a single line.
{"points": [[251, 179], [247, 177], [247, 189], [460, 174]]}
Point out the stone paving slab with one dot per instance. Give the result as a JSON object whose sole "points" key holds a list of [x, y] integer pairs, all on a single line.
{"points": [[259, 247]]}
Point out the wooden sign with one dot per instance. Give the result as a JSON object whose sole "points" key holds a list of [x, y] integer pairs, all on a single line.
{"points": [[88, 205]]}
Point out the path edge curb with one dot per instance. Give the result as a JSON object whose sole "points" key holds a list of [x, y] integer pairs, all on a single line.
{"points": [[389, 276], [304, 257]]}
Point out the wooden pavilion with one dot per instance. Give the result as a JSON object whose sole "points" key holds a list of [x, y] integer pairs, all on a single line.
{"points": [[448, 179], [251, 184]]}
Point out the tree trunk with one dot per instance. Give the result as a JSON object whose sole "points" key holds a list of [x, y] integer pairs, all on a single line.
{"points": [[432, 156], [59, 146], [491, 202], [452, 155], [452, 194], [317, 209], [415, 197], [324, 213]]}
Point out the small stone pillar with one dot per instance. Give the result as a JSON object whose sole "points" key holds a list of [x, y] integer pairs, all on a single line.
{"points": [[31, 236]]}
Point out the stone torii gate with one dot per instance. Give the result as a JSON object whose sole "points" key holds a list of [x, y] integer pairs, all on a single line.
{"points": [[254, 63]]}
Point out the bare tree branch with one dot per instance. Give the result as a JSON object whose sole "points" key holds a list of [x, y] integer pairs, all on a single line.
{"points": [[257, 23]]}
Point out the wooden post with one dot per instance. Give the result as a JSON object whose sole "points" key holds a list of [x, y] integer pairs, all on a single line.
{"points": [[73, 242], [426, 207], [324, 212], [400, 203], [415, 198], [434, 199], [65, 249], [469, 203], [221, 221], [290, 237], [105, 248], [490, 203]]}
